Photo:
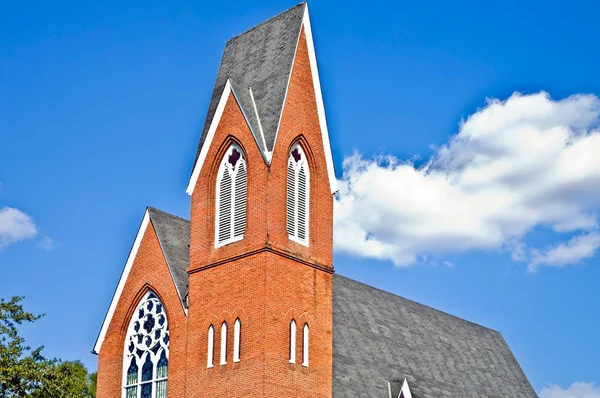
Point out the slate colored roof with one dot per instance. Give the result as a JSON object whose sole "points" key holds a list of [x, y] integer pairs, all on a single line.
{"points": [[380, 337], [174, 236], [259, 60]]}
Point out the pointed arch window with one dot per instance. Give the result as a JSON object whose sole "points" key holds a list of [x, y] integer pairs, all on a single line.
{"points": [[211, 347], [237, 331], [305, 345], [146, 356], [224, 343], [230, 212], [293, 341], [298, 192]]}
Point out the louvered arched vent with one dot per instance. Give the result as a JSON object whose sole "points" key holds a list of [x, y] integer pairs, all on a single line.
{"points": [[231, 198], [298, 189]]}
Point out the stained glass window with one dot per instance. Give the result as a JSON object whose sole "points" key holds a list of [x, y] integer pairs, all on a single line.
{"points": [[161, 376], [147, 344], [132, 379]]}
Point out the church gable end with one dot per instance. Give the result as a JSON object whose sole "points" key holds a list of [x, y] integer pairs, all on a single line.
{"points": [[146, 270]]}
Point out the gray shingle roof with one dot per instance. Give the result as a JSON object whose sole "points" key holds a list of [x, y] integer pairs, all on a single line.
{"points": [[174, 236], [380, 337], [261, 60]]}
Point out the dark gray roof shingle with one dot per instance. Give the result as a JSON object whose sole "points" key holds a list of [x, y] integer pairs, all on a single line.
{"points": [[174, 236], [380, 337], [261, 60]]}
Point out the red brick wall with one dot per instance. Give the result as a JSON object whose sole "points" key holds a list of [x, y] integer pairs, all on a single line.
{"points": [[265, 279], [149, 270]]}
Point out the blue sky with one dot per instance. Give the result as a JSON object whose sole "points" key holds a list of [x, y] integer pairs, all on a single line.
{"points": [[101, 107]]}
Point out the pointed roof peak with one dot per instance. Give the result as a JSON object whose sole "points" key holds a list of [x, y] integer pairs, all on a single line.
{"points": [[270, 20], [256, 68], [258, 64]]}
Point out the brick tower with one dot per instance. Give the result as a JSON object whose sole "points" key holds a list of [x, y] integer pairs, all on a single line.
{"points": [[267, 112]]}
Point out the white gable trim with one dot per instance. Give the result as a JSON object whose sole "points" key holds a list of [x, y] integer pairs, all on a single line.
{"points": [[333, 185], [122, 280], [262, 134], [405, 390], [209, 137], [124, 275]]}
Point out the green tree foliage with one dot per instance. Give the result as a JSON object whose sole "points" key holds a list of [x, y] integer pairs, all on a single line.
{"points": [[25, 372]]}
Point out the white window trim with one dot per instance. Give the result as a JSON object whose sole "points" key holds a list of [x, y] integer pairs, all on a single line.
{"points": [[223, 343], [236, 340], [210, 347], [293, 341], [153, 358], [233, 175], [305, 345], [405, 390], [297, 166]]}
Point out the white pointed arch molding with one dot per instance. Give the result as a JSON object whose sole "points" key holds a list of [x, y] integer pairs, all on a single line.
{"points": [[404, 391], [333, 185], [124, 275]]}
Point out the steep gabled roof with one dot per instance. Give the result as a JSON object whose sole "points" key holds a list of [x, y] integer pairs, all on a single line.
{"points": [[256, 68], [174, 237], [380, 337], [259, 60]]}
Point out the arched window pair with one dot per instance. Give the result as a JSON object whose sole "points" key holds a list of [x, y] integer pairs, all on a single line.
{"points": [[293, 343], [237, 331], [231, 185], [146, 355]]}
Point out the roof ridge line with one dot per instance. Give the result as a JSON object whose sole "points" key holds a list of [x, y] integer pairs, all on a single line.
{"points": [[265, 22], [289, 79], [421, 304], [165, 212]]}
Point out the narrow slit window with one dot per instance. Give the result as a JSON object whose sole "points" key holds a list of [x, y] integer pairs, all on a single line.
{"points": [[210, 347], [224, 343], [293, 341], [298, 193], [230, 212], [305, 345], [237, 330]]}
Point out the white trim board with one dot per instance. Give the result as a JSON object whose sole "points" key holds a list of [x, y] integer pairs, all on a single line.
{"points": [[209, 137], [333, 184], [123, 279], [405, 391]]}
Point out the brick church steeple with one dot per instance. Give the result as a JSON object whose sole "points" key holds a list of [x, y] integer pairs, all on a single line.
{"points": [[266, 113]]}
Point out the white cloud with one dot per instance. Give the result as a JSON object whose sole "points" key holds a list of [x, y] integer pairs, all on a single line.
{"points": [[571, 252], [15, 226], [47, 243], [576, 390], [514, 165]]}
